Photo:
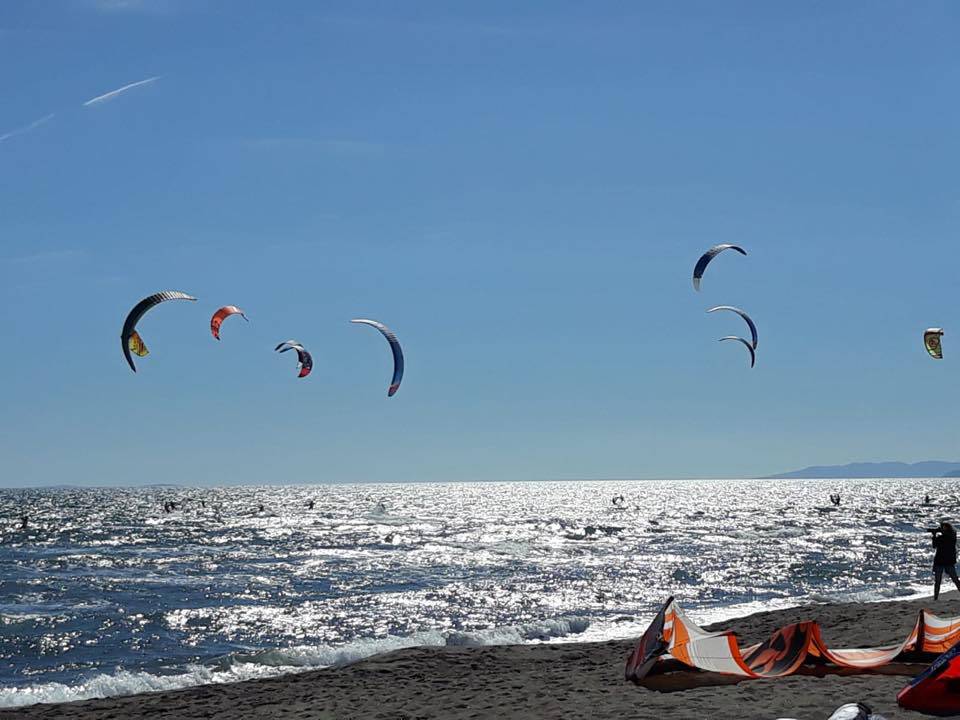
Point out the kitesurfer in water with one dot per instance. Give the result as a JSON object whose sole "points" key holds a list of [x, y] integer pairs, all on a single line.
{"points": [[926, 499], [26, 521], [945, 558], [310, 505], [835, 499]]}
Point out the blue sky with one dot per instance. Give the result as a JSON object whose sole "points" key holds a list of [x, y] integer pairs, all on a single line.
{"points": [[520, 191]]}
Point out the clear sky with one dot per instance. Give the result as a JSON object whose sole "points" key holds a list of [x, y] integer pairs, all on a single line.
{"points": [[520, 190]]}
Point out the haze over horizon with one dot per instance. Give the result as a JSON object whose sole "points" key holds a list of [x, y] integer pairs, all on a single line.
{"points": [[519, 193]]}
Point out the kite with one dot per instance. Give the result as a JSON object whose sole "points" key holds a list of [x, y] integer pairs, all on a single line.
{"points": [[222, 314], [931, 341], [394, 347], [753, 355], [741, 313], [707, 257], [675, 654], [130, 339], [305, 360]]}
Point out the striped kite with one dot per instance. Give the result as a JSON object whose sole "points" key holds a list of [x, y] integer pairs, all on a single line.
{"points": [[130, 339], [707, 257]]}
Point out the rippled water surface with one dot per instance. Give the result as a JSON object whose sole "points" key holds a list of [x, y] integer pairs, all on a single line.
{"points": [[104, 593]]}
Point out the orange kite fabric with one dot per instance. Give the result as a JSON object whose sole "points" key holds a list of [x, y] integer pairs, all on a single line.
{"points": [[672, 636]]}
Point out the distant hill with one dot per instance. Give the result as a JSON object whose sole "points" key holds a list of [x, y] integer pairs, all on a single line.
{"points": [[926, 469]]}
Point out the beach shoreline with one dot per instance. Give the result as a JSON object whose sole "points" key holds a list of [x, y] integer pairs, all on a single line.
{"points": [[562, 680]]}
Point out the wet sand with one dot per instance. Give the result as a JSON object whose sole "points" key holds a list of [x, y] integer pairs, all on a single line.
{"points": [[582, 680]]}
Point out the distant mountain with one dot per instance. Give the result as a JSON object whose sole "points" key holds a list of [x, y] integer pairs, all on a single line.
{"points": [[926, 469]]}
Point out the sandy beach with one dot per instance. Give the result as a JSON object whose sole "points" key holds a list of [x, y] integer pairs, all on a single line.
{"points": [[573, 680]]}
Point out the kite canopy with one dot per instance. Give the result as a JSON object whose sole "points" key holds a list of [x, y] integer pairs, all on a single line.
{"points": [[130, 339], [741, 313], [934, 690], [222, 314], [753, 355], [394, 347], [305, 360], [707, 257], [931, 341], [674, 643]]}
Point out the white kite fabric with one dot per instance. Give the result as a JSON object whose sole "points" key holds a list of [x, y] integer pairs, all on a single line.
{"points": [[673, 636]]}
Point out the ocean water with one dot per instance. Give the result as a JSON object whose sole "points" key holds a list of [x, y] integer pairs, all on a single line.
{"points": [[106, 594]]}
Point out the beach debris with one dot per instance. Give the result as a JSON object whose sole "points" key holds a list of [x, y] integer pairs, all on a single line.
{"points": [[934, 691], [851, 711], [932, 342], [741, 313], [688, 655], [394, 347], [707, 257], [746, 343], [854, 711], [222, 314], [130, 339], [305, 360]]}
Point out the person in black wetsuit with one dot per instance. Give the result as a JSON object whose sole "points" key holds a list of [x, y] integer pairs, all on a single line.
{"points": [[945, 559]]}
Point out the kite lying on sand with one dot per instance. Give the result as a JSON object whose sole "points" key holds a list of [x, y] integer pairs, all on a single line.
{"points": [[676, 654]]}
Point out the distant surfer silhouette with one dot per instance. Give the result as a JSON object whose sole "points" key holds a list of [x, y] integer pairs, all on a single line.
{"points": [[26, 522], [926, 499], [945, 558], [835, 499], [310, 505]]}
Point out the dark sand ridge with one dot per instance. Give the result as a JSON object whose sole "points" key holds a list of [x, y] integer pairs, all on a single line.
{"points": [[577, 680]]}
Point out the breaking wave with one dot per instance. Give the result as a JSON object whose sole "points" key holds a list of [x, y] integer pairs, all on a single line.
{"points": [[237, 667]]}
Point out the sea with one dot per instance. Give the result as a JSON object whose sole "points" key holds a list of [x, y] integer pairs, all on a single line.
{"points": [[116, 591]]}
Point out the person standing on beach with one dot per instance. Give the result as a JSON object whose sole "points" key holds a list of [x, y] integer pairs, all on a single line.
{"points": [[945, 558]]}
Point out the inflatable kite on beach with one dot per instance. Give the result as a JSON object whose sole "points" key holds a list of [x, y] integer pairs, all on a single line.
{"points": [[305, 360], [746, 318], [931, 341], [130, 339], [675, 654], [707, 257], [934, 691], [746, 344], [394, 347], [222, 314]]}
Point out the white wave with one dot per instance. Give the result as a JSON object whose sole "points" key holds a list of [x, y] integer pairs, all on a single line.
{"points": [[309, 657], [520, 634], [123, 682], [280, 661]]}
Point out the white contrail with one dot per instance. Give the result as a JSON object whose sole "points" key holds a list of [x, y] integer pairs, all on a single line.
{"points": [[113, 93], [26, 128]]}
